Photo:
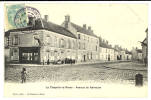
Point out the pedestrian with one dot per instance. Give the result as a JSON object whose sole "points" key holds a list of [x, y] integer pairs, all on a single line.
{"points": [[23, 75], [48, 62]]}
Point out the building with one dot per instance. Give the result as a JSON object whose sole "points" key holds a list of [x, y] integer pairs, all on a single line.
{"points": [[144, 45], [87, 41], [136, 54], [106, 51], [118, 54], [128, 55], [39, 44]]}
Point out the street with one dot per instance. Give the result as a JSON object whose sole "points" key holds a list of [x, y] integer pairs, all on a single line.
{"points": [[123, 72]]}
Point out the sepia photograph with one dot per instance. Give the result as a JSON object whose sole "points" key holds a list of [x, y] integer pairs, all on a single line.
{"points": [[76, 49]]}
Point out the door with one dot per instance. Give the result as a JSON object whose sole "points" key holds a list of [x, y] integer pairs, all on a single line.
{"points": [[108, 57], [84, 57]]}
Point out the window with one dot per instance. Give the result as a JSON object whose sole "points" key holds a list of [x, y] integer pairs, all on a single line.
{"points": [[84, 46], [96, 48], [7, 41], [79, 45], [55, 41], [74, 45], [78, 36], [62, 43], [69, 42], [15, 40]]}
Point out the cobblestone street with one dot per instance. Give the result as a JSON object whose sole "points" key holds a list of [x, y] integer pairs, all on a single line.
{"points": [[123, 72]]}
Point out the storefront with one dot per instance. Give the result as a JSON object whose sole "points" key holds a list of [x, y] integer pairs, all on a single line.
{"points": [[29, 54]]}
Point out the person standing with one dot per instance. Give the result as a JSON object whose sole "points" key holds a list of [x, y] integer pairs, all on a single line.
{"points": [[23, 75]]}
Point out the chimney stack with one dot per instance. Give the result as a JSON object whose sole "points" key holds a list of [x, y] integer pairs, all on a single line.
{"points": [[67, 18], [46, 18], [107, 42], [89, 28], [84, 26]]}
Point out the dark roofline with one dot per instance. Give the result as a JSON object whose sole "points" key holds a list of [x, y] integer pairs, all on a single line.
{"points": [[7, 33], [65, 31], [144, 40], [139, 50], [82, 30], [58, 29]]}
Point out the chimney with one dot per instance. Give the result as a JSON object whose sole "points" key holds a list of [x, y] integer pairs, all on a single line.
{"points": [[107, 42], [46, 18], [89, 28], [103, 41], [84, 26], [31, 21], [67, 18]]}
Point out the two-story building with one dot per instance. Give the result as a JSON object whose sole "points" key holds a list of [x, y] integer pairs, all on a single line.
{"points": [[87, 41], [36, 44], [106, 51]]}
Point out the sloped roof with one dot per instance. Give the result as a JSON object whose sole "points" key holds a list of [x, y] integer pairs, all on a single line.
{"points": [[146, 30], [82, 30], [57, 28], [127, 52], [47, 26], [139, 50], [144, 40], [104, 45], [7, 33]]}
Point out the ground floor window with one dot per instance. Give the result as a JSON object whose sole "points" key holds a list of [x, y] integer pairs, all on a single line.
{"points": [[29, 55]]}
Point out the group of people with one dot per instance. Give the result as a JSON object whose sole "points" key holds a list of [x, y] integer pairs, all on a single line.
{"points": [[65, 61]]}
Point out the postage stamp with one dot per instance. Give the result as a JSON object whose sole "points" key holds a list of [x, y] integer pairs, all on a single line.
{"points": [[20, 16], [12, 10]]}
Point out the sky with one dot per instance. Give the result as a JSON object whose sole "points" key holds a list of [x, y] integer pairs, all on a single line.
{"points": [[121, 24]]}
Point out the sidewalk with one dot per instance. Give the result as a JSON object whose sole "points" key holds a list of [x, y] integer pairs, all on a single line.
{"points": [[59, 65]]}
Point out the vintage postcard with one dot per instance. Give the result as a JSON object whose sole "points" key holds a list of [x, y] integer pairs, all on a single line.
{"points": [[76, 49]]}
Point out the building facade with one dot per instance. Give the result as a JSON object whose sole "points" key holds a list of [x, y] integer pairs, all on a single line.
{"points": [[87, 41], [40, 45], [144, 45], [137, 54]]}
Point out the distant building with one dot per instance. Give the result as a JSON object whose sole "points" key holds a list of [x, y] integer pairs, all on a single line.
{"points": [[87, 41], [139, 52], [116, 54], [106, 51], [136, 54], [128, 55]]}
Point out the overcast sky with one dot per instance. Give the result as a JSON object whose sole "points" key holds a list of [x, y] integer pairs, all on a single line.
{"points": [[122, 24]]}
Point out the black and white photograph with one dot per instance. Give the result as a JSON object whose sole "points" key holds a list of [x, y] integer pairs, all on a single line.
{"points": [[76, 49]]}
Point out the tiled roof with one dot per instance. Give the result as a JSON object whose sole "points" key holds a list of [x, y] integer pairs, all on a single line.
{"points": [[47, 26], [139, 50], [82, 30], [57, 28], [127, 52], [7, 33], [104, 45], [116, 49]]}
